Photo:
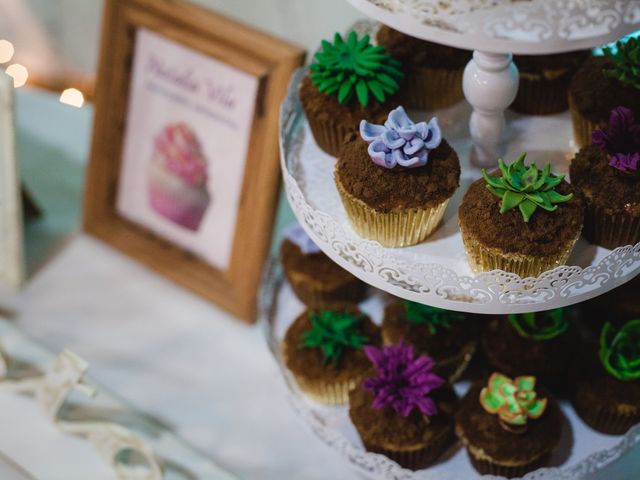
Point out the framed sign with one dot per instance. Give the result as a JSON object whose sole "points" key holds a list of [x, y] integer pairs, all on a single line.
{"points": [[11, 237], [184, 170]]}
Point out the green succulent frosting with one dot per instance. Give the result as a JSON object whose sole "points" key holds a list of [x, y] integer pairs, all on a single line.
{"points": [[333, 332], [620, 350], [433, 317], [626, 62], [541, 325], [355, 67], [514, 401], [525, 187]]}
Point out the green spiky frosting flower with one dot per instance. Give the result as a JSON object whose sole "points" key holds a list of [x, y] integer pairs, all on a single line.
{"points": [[541, 325], [514, 401], [626, 62], [334, 332], [354, 66], [620, 350], [525, 187], [433, 317]]}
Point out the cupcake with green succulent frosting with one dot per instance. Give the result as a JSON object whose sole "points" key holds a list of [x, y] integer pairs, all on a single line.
{"points": [[508, 426], [349, 79], [323, 351], [520, 219], [602, 84], [540, 344], [449, 337], [606, 379]]}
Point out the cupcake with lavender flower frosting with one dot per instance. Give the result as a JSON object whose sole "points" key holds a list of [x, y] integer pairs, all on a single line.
{"points": [[315, 278], [403, 409], [607, 172], [395, 180], [178, 177]]}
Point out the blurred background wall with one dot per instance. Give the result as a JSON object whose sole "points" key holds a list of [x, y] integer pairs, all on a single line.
{"points": [[57, 39]]}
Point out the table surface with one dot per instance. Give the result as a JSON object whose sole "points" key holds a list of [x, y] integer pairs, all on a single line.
{"points": [[166, 351]]}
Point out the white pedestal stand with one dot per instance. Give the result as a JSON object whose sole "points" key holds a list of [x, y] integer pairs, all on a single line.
{"points": [[490, 84]]}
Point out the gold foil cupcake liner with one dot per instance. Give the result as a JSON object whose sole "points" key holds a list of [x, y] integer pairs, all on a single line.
{"points": [[487, 467], [484, 259], [540, 96], [610, 230], [414, 458], [325, 392], [582, 127], [605, 420], [434, 88], [399, 228], [314, 294]]}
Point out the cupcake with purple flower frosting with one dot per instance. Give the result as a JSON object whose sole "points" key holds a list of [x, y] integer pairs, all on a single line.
{"points": [[395, 180], [403, 409], [607, 172], [314, 278]]}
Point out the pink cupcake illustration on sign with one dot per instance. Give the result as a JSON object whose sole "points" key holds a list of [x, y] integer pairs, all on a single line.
{"points": [[178, 177]]}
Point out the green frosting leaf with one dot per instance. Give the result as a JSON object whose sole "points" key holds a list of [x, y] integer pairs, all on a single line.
{"points": [[514, 401], [620, 350], [433, 317], [525, 187], [333, 332], [355, 67], [541, 325], [626, 62]]}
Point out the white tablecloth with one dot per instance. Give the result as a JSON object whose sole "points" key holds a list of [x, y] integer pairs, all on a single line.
{"points": [[166, 351]]}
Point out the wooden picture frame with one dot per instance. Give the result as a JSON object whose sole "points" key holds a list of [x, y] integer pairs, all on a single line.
{"points": [[271, 61], [12, 268]]}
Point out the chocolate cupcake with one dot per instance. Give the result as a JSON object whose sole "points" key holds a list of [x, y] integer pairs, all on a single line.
{"points": [[433, 72], [544, 81], [403, 410], [323, 351], [540, 344], [449, 338], [606, 384], [608, 175], [349, 80], [396, 181], [620, 305], [602, 84], [509, 427], [314, 278], [520, 219]]}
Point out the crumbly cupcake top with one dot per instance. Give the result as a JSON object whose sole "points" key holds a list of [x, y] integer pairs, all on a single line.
{"points": [[399, 165], [500, 223], [326, 344], [353, 68], [482, 432], [608, 171], [181, 154], [416, 53], [594, 94]]}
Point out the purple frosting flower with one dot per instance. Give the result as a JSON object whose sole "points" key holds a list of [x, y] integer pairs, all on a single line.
{"points": [[400, 141], [403, 380], [621, 140], [296, 234]]}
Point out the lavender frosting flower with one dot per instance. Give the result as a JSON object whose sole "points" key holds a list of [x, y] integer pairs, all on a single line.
{"points": [[296, 234], [400, 141], [404, 381], [621, 140]]}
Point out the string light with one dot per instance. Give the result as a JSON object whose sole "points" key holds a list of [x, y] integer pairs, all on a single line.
{"points": [[6, 51], [73, 97], [19, 73]]}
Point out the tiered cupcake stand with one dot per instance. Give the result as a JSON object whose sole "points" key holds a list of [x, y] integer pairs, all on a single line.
{"points": [[436, 272]]}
